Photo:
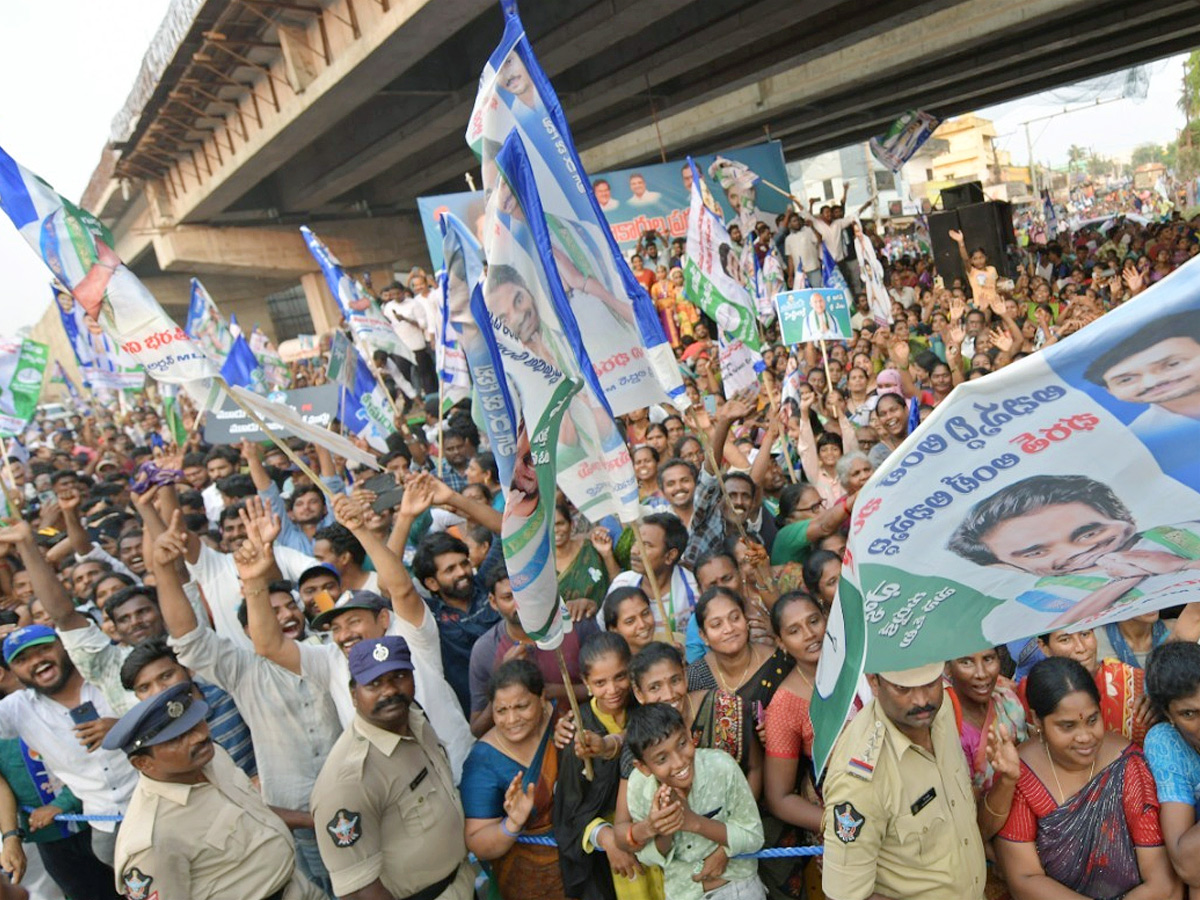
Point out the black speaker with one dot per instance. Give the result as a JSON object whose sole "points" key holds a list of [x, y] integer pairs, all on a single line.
{"points": [[962, 195], [987, 225]]}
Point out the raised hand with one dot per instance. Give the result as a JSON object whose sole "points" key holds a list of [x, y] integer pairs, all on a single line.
{"points": [[16, 531], [900, 353], [1002, 339], [1134, 280], [70, 499], [417, 497], [518, 803], [956, 236], [262, 525], [1002, 753], [171, 545], [602, 541], [956, 336], [349, 512]]}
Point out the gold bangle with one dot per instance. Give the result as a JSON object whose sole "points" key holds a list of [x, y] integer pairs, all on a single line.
{"points": [[989, 808], [254, 592]]}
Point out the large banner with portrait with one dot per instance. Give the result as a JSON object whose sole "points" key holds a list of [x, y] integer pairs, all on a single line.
{"points": [[1059, 492], [652, 197]]}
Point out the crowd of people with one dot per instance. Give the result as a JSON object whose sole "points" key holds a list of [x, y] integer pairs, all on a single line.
{"points": [[236, 682]]}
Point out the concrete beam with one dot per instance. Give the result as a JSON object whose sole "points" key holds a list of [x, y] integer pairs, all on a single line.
{"points": [[865, 62], [586, 35], [280, 251], [391, 42]]}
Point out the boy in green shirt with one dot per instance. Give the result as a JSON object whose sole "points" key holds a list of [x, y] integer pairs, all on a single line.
{"points": [[692, 811]]}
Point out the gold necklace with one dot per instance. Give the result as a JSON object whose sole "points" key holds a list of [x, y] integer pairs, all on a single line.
{"points": [[804, 677], [745, 671], [1054, 772]]}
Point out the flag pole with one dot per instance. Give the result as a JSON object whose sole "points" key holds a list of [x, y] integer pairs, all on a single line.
{"points": [[787, 452], [655, 591], [441, 432], [278, 442], [569, 689]]}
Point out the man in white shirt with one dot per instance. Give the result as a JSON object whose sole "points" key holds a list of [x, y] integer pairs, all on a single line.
{"points": [[357, 616], [44, 718], [411, 324], [803, 249]]}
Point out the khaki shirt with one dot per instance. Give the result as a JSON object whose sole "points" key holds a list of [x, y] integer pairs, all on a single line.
{"points": [[899, 820], [216, 839], [385, 807]]}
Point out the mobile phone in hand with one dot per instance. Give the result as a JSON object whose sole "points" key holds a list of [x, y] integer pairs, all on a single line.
{"points": [[84, 712]]}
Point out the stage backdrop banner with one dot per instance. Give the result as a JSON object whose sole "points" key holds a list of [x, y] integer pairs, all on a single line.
{"points": [[659, 201], [1060, 492]]}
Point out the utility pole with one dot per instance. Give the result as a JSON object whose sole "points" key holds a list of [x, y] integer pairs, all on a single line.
{"points": [[1033, 179]]}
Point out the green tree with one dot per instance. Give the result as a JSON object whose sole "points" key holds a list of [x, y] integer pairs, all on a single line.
{"points": [[1148, 153], [1075, 156]]}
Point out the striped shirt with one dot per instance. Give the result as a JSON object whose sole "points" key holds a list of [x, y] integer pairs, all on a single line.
{"points": [[227, 727]]}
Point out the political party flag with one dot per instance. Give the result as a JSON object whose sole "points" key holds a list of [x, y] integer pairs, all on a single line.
{"points": [[594, 467], [528, 418], [738, 181], [342, 367], [710, 270], [490, 394], [450, 357], [904, 138], [241, 368], [740, 367], [1060, 492], [173, 414], [1049, 214], [831, 272], [206, 324], [878, 300], [22, 368], [275, 370], [617, 318], [370, 328], [101, 363], [60, 374], [769, 277], [732, 175], [78, 249], [363, 408]]}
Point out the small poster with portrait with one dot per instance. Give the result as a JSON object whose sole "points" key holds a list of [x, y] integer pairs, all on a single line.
{"points": [[813, 314]]}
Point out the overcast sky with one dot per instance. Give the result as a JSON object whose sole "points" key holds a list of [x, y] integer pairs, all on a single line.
{"points": [[59, 97]]}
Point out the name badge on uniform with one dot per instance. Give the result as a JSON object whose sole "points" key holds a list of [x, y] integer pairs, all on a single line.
{"points": [[421, 776], [923, 801]]}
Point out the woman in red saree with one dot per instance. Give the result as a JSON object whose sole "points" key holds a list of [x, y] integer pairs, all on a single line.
{"points": [[1084, 817]]}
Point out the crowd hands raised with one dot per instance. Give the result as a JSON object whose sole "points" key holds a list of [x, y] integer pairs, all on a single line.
{"points": [[251, 685]]}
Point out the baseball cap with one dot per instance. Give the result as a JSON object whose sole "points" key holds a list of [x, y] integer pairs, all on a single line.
{"points": [[30, 636], [157, 719], [918, 677], [318, 569], [347, 601], [369, 660]]}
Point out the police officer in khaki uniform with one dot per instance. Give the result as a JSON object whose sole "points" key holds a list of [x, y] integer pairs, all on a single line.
{"points": [[195, 827], [389, 820], [899, 811]]}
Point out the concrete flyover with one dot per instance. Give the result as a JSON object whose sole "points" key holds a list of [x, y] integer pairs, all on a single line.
{"points": [[255, 116]]}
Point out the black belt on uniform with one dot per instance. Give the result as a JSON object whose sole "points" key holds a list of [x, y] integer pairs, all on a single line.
{"points": [[435, 890]]}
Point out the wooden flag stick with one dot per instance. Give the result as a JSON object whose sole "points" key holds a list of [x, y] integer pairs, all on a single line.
{"points": [[655, 590], [588, 772], [278, 442]]}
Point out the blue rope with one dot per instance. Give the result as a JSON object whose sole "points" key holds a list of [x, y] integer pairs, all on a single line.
{"points": [[766, 853], [539, 839]]}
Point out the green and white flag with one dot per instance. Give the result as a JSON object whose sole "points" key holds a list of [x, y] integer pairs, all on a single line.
{"points": [[22, 367], [712, 272], [343, 361]]}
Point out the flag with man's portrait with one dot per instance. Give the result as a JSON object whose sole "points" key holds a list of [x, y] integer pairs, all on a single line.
{"points": [[617, 319], [1059, 492], [78, 250]]}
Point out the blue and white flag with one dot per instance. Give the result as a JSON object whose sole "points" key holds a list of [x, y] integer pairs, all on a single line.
{"points": [[904, 138], [594, 467], [617, 318], [831, 272], [241, 367], [371, 330], [492, 404], [364, 409], [78, 249], [451, 359], [206, 324], [1049, 214]]}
